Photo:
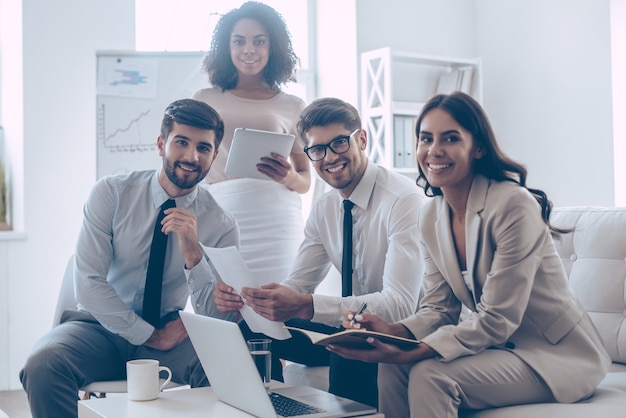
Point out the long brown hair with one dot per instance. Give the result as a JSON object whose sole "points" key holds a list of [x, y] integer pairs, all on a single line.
{"points": [[495, 165]]}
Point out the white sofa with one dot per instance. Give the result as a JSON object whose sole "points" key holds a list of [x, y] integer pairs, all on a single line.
{"points": [[594, 256]]}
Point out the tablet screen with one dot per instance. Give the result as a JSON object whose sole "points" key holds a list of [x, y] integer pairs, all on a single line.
{"points": [[249, 145]]}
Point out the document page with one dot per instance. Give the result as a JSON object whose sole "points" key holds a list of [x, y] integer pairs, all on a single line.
{"points": [[234, 271]]}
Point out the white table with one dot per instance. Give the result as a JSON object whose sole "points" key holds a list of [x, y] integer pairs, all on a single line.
{"points": [[177, 403]]}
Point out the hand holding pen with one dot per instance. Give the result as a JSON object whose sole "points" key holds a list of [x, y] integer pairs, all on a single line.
{"points": [[359, 312]]}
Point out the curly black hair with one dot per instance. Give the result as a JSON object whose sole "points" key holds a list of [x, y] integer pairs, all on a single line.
{"points": [[282, 60]]}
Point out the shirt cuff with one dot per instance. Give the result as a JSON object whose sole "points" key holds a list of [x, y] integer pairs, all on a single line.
{"points": [[139, 333], [327, 310], [199, 275]]}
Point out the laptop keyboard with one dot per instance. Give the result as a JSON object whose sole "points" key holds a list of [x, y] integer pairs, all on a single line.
{"points": [[287, 407]]}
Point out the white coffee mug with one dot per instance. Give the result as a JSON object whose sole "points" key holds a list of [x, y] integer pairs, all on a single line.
{"points": [[143, 381]]}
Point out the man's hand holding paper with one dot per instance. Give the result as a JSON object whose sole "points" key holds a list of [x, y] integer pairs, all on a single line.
{"points": [[278, 302], [226, 299], [236, 276]]}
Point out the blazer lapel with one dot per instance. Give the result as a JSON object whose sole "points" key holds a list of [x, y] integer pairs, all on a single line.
{"points": [[449, 264], [473, 228]]}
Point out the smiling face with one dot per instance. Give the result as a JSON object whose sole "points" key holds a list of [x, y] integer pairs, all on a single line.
{"points": [[188, 153], [249, 47], [341, 171], [446, 152]]}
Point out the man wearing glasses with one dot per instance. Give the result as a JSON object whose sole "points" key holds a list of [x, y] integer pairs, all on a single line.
{"points": [[386, 266]]}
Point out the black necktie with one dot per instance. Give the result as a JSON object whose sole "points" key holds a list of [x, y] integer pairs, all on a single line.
{"points": [[346, 262], [154, 277]]}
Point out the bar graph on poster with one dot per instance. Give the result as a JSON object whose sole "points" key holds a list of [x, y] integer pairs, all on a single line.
{"points": [[133, 90]]}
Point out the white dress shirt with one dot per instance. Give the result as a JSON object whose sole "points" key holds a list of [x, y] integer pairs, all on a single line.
{"points": [[114, 246], [386, 259]]}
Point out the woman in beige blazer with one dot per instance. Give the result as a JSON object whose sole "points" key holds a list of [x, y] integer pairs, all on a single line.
{"points": [[498, 322]]}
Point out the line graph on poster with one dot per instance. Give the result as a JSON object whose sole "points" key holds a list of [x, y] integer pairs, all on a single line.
{"points": [[135, 136], [133, 90]]}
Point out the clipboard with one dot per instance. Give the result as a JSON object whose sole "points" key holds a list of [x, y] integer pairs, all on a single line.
{"points": [[249, 145]]}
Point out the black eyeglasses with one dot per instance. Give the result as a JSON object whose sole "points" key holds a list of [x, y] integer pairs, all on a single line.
{"points": [[339, 145]]}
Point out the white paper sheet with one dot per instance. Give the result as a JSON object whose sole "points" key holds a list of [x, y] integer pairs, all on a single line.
{"points": [[234, 271]]}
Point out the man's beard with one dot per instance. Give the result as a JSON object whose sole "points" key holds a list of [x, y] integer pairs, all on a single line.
{"points": [[186, 182]]}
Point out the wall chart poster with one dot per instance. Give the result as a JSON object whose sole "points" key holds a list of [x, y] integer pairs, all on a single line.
{"points": [[133, 90]]}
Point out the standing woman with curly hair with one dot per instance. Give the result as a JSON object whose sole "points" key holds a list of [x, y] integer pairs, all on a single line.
{"points": [[251, 56]]}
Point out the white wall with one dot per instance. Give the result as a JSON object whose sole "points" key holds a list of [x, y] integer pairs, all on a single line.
{"points": [[618, 60], [441, 27], [546, 78], [59, 43]]}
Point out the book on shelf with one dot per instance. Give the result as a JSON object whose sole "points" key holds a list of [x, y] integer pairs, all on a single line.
{"points": [[456, 80], [466, 82], [448, 82], [355, 338], [404, 142]]}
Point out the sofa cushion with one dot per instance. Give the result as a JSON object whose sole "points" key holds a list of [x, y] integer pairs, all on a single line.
{"points": [[608, 401], [594, 256]]}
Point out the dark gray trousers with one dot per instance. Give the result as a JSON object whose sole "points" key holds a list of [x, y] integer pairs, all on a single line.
{"points": [[80, 351]]}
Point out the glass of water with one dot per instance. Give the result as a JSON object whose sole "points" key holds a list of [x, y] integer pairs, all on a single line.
{"points": [[261, 351]]}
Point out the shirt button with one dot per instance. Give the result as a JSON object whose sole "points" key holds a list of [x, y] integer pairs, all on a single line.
{"points": [[191, 280]]}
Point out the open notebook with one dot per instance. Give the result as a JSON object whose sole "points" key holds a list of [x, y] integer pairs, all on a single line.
{"points": [[233, 375]]}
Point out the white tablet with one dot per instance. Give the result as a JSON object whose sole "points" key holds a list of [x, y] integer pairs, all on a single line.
{"points": [[249, 145]]}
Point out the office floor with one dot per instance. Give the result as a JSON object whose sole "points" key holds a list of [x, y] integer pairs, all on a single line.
{"points": [[14, 404]]}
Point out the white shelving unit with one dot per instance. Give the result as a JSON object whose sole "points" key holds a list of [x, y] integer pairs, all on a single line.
{"points": [[394, 87]]}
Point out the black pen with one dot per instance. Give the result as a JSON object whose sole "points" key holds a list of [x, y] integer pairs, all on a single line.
{"points": [[359, 312]]}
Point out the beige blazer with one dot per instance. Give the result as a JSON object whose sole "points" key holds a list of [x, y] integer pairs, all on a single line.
{"points": [[521, 300]]}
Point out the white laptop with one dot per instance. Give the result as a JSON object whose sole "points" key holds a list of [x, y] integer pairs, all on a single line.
{"points": [[235, 380], [249, 145]]}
